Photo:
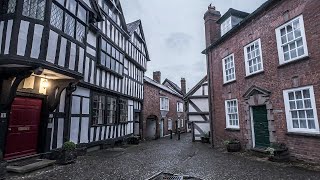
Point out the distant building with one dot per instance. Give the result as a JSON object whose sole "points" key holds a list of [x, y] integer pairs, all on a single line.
{"points": [[163, 108], [198, 110], [264, 75], [69, 71]]}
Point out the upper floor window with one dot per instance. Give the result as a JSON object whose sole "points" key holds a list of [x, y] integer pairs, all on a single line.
{"points": [[34, 8], [164, 103], [291, 41], [111, 58], [229, 73], [179, 107], [253, 57], [226, 26], [11, 6], [232, 117], [301, 111], [74, 27]]}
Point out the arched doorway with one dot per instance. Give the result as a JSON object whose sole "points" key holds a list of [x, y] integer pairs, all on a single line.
{"points": [[151, 129]]}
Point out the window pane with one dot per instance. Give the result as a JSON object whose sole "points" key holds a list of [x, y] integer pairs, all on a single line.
{"points": [[82, 14], [80, 32], [298, 95], [69, 25], [302, 114], [56, 16], [291, 96], [309, 114], [294, 114], [307, 103], [11, 6], [71, 6], [34, 8], [295, 123], [300, 104], [311, 124], [303, 123], [292, 105]]}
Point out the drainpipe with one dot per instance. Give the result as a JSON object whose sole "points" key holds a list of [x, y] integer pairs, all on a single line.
{"points": [[211, 107]]}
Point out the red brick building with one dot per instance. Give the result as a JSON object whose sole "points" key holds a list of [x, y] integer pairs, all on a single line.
{"points": [[264, 76], [163, 108]]}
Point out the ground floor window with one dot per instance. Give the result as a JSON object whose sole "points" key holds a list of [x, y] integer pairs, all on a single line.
{"points": [[98, 109], [123, 106], [301, 112], [111, 110], [232, 117]]}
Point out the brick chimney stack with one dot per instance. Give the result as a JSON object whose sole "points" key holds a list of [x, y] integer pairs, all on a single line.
{"points": [[157, 76], [212, 28], [183, 86]]}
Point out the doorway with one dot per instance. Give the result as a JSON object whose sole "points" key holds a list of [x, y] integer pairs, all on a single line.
{"points": [[23, 129], [151, 127], [161, 128], [260, 127]]}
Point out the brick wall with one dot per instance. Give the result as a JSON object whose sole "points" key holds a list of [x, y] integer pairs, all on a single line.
{"points": [[275, 78], [151, 107]]}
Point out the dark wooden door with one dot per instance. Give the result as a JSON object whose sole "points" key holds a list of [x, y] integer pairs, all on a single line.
{"points": [[260, 124], [22, 137]]}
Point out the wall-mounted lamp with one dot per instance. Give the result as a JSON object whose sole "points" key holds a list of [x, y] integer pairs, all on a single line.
{"points": [[45, 84]]}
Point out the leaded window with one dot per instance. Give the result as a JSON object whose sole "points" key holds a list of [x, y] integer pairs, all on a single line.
{"points": [[34, 8], [301, 113], [123, 106], [291, 40], [82, 14], [80, 33], [232, 117], [69, 25], [228, 69], [111, 110], [253, 58], [11, 6], [98, 110], [56, 17]]}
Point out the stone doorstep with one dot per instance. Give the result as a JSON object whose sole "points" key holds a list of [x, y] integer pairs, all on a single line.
{"points": [[31, 167]]}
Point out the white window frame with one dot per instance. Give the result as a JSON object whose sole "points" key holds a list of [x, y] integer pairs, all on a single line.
{"points": [[289, 116], [166, 101], [179, 107], [279, 42], [247, 59], [226, 26], [224, 69], [227, 115]]}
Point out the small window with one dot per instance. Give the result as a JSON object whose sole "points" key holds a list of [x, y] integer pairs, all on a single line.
{"points": [[164, 104], [301, 112], [179, 107], [34, 8], [98, 110], [291, 41], [232, 117], [226, 26], [253, 57], [228, 69]]}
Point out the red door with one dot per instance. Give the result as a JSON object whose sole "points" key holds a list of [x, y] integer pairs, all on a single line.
{"points": [[22, 138]]}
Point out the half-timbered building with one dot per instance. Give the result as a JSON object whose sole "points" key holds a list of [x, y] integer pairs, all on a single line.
{"points": [[198, 110], [70, 70]]}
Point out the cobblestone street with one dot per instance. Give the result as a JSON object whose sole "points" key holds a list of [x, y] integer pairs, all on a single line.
{"points": [[172, 156]]}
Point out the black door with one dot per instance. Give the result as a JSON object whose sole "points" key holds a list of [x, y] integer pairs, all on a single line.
{"points": [[260, 125]]}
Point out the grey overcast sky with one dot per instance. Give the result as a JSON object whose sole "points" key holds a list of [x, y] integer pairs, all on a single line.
{"points": [[174, 31]]}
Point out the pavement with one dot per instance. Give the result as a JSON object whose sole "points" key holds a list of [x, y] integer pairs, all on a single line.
{"points": [[170, 156]]}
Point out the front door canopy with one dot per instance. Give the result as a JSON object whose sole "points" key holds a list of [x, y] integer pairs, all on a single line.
{"points": [[253, 90]]}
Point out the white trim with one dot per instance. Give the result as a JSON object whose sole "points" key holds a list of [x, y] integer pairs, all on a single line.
{"points": [[224, 69], [163, 97], [252, 128], [227, 116], [246, 57], [279, 43], [288, 114]]}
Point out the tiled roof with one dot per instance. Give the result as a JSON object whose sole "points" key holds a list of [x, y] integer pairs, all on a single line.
{"points": [[133, 26]]}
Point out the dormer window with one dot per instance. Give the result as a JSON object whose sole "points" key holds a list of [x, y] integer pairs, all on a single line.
{"points": [[226, 26]]}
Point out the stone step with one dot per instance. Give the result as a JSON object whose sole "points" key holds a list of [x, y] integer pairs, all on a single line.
{"points": [[31, 166]]}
